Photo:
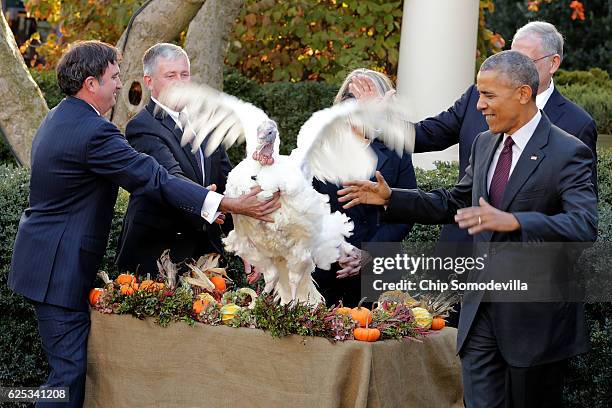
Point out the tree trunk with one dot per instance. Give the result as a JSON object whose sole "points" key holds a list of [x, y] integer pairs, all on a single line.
{"points": [[206, 42], [23, 105], [159, 21]]}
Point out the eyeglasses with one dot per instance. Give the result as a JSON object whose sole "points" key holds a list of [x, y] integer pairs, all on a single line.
{"points": [[541, 58]]}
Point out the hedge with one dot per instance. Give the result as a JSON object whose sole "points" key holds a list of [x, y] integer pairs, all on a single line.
{"points": [[23, 363]]}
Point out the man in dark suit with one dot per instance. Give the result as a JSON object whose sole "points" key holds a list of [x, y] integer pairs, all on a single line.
{"points": [[462, 122], [527, 181], [150, 227], [78, 161]]}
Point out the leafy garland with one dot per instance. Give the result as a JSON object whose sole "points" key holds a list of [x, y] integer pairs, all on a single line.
{"points": [[394, 320], [194, 300]]}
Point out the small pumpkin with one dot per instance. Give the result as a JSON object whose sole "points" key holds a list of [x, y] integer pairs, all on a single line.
{"points": [[344, 310], [219, 283], [158, 286], [438, 323], [422, 317], [366, 334], [202, 302], [361, 315], [147, 285], [94, 295], [128, 289], [199, 305], [125, 279]]}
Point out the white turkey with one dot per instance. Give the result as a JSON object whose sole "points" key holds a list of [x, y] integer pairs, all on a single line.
{"points": [[304, 233]]}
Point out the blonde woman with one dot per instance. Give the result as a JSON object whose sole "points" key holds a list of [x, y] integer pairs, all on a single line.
{"points": [[342, 281]]}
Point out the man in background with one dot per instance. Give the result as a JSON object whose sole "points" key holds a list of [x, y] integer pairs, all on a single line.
{"points": [[149, 226]]}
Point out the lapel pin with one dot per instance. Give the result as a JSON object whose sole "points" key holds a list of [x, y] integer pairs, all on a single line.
{"points": [[534, 157]]}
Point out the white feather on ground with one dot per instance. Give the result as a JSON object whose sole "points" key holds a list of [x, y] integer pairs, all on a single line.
{"points": [[304, 233]]}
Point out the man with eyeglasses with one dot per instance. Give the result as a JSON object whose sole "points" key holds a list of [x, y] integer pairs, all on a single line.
{"points": [[462, 122]]}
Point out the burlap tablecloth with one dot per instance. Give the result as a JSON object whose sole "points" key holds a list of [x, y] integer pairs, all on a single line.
{"points": [[134, 363]]}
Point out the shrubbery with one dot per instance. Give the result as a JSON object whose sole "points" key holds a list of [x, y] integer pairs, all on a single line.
{"points": [[592, 90], [23, 362]]}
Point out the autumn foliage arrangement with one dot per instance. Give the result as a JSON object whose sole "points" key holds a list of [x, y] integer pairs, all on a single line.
{"points": [[206, 296]]}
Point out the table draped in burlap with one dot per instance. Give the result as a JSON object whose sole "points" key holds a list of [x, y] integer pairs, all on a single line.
{"points": [[135, 363]]}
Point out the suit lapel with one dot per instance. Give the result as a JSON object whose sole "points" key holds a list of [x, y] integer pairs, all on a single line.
{"points": [[530, 159], [553, 109], [169, 124], [207, 163]]}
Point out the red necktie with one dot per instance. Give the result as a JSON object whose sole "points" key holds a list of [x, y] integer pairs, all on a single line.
{"points": [[501, 174]]}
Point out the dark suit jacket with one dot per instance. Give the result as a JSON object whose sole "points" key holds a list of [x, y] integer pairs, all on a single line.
{"points": [[149, 226], [554, 200], [398, 172], [78, 161], [462, 122]]}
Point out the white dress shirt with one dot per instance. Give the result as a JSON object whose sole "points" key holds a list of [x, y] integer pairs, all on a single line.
{"points": [[213, 199], [543, 97], [521, 138]]}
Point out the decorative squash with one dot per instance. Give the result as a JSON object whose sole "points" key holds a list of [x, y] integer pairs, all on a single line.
{"points": [[158, 286], [94, 295], [147, 285], [125, 278], [128, 290], [202, 303], [219, 283], [344, 310], [251, 293], [365, 334], [228, 312], [422, 317], [438, 323], [199, 305], [361, 315]]}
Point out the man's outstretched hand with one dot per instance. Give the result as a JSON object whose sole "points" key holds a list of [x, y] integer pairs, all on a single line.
{"points": [[485, 217], [365, 192], [248, 204]]}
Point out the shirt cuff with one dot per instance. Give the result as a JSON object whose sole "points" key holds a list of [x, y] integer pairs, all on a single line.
{"points": [[211, 205]]}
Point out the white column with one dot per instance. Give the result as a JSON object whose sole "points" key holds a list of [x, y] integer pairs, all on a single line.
{"points": [[437, 60]]}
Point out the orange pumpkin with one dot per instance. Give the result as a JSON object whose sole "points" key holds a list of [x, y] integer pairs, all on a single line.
{"points": [[199, 305], [219, 283], [147, 285], [94, 295], [128, 290], [125, 278], [365, 334], [158, 286], [438, 323], [361, 315], [344, 310]]}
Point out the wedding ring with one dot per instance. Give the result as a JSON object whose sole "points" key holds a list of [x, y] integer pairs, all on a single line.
{"points": [[479, 220]]}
